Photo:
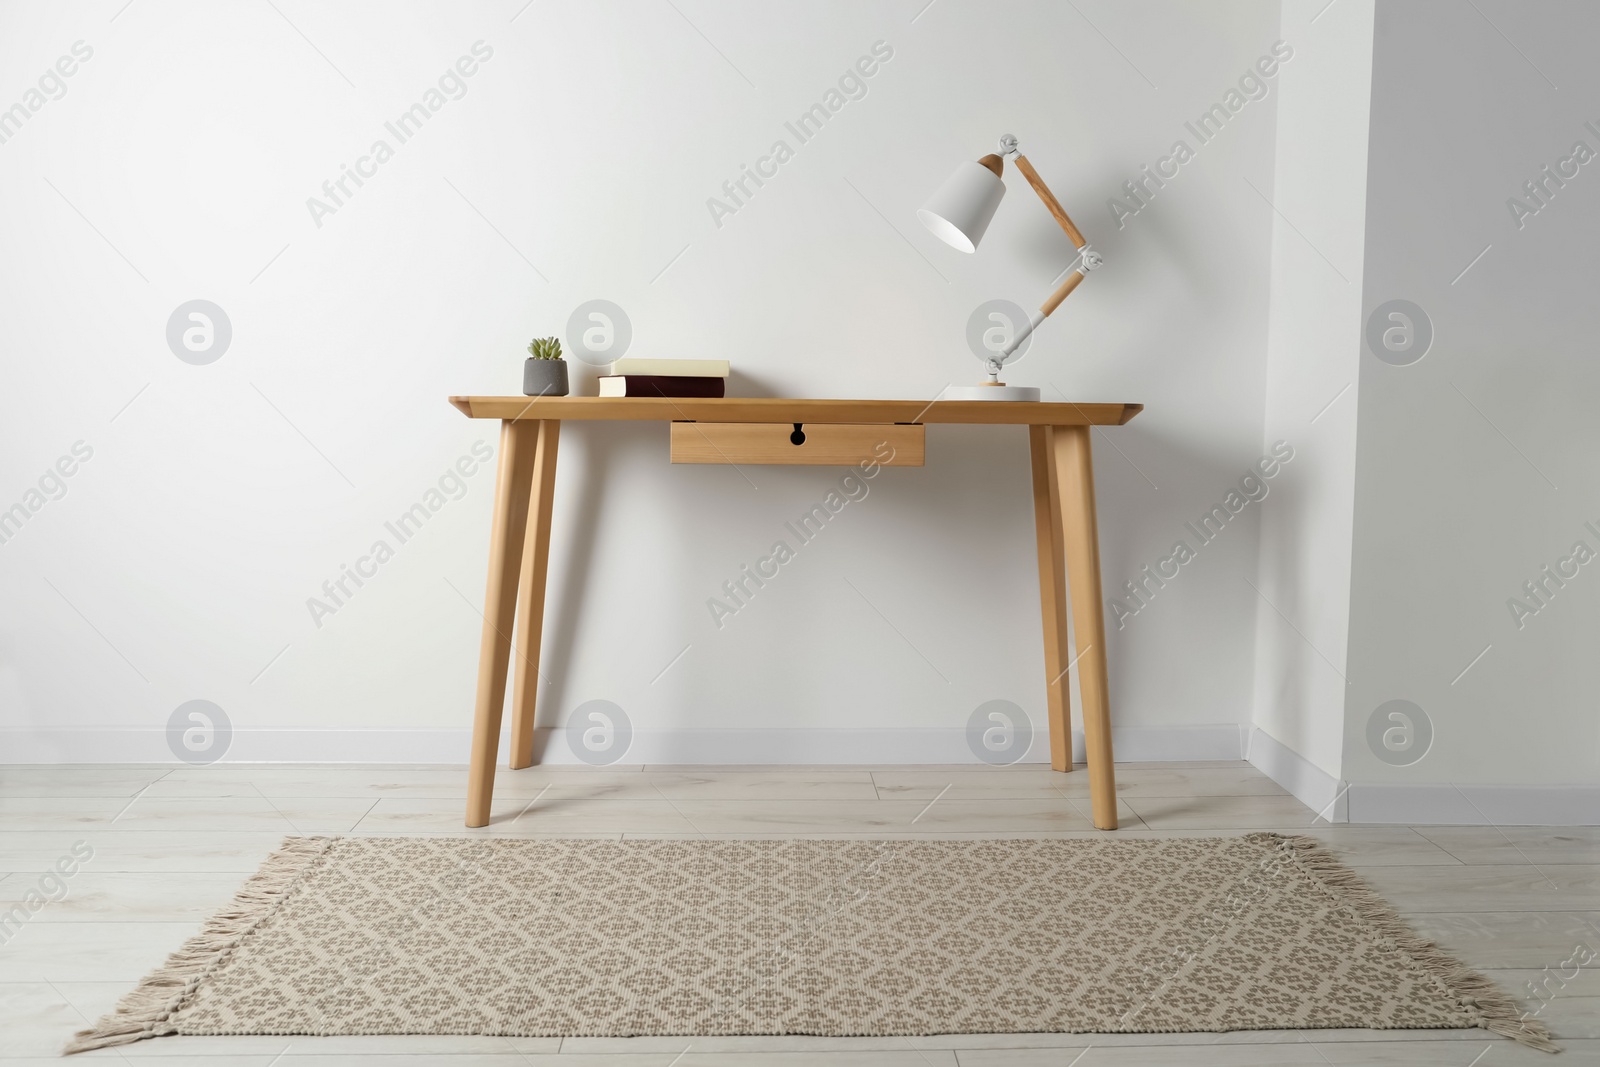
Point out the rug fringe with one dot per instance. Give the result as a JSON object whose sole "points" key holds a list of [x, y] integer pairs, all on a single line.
{"points": [[1495, 1011], [148, 1010]]}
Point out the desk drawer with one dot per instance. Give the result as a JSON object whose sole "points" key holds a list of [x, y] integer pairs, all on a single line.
{"points": [[820, 444]]}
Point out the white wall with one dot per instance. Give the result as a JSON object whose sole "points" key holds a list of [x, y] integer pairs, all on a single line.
{"points": [[1476, 464], [1313, 358], [219, 498]]}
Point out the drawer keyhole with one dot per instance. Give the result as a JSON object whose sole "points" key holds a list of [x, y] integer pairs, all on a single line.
{"points": [[798, 437]]}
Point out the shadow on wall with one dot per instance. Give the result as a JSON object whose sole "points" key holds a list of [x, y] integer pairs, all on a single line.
{"points": [[963, 460], [745, 385], [580, 515]]}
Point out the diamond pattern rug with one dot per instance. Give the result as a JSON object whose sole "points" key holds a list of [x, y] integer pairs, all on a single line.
{"points": [[839, 937]]}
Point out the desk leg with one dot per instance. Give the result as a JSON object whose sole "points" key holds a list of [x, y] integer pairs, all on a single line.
{"points": [[1052, 595], [517, 440], [530, 594], [1075, 496]]}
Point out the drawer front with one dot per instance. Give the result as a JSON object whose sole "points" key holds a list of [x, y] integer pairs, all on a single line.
{"points": [[820, 445]]}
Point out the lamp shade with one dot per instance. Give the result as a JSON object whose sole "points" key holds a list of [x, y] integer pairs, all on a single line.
{"points": [[959, 211]]}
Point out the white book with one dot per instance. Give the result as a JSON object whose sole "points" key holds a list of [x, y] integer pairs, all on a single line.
{"points": [[692, 368]]}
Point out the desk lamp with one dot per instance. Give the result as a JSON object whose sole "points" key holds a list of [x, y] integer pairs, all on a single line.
{"points": [[958, 213]]}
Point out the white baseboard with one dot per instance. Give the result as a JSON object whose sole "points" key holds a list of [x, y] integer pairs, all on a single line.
{"points": [[1436, 804], [1305, 781], [1476, 805], [1133, 744]]}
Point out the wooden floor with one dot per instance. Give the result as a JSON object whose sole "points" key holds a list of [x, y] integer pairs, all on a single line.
{"points": [[172, 845]]}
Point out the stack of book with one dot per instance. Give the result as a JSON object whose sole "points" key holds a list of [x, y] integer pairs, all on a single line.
{"points": [[666, 377]]}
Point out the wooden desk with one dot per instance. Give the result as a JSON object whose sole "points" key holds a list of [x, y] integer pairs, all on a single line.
{"points": [[519, 549]]}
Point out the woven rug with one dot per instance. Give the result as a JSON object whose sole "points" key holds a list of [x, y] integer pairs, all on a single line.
{"points": [[694, 937]]}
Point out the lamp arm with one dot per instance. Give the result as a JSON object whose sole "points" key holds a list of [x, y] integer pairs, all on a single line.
{"points": [[1089, 259], [1050, 201], [1023, 333], [1063, 291], [1052, 302]]}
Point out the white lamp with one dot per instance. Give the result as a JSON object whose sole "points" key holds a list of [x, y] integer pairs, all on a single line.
{"points": [[958, 213]]}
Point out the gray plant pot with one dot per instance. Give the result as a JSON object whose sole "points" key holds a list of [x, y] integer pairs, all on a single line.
{"points": [[544, 377]]}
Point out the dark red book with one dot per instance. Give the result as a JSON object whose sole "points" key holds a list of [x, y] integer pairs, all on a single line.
{"points": [[661, 385]]}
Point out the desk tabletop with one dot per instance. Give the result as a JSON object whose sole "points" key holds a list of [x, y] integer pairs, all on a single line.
{"points": [[778, 409]]}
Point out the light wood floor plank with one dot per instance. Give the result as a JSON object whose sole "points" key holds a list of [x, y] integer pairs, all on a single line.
{"points": [[1518, 844], [1380, 846], [1498, 1053], [301, 815], [1499, 887], [515, 816], [1564, 995], [90, 952], [168, 851], [940, 815], [1012, 783], [76, 781], [1163, 813], [254, 780], [1229, 780], [105, 896], [1509, 938]]}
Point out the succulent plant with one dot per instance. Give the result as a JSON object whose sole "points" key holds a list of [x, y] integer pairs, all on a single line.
{"points": [[545, 348]]}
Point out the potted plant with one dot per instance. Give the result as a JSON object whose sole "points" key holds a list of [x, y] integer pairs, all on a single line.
{"points": [[544, 372]]}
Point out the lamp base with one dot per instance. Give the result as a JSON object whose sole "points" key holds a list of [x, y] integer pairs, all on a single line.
{"points": [[1024, 393]]}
